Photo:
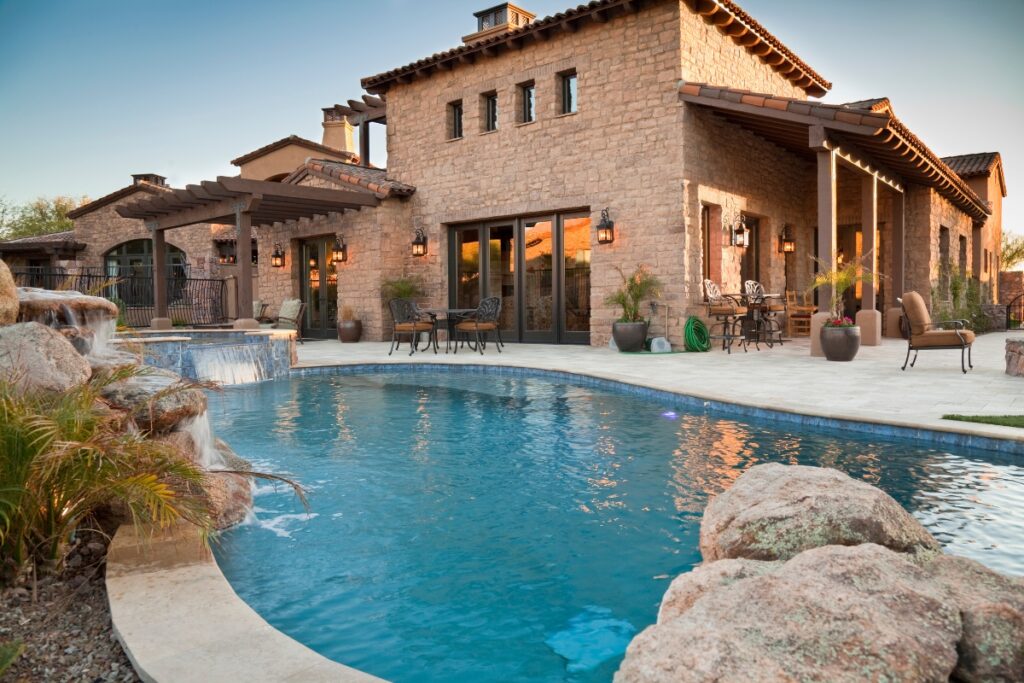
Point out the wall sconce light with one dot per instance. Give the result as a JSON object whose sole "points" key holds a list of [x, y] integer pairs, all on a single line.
{"points": [[740, 233], [340, 252], [787, 245], [605, 229], [277, 258], [419, 243]]}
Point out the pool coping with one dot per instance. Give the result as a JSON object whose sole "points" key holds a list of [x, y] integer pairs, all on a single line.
{"points": [[964, 435]]}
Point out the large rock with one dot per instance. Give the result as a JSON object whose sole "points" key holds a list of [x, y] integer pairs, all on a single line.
{"points": [[830, 614], [113, 359], [773, 512], [36, 357], [64, 306], [687, 588], [158, 399], [992, 609], [8, 296], [229, 497]]}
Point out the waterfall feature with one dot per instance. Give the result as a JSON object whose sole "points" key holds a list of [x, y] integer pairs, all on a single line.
{"points": [[206, 446], [88, 322], [232, 363]]}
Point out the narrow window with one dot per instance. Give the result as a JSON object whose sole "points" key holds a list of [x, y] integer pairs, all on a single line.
{"points": [[568, 93], [490, 111], [527, 102], [455, 120]]}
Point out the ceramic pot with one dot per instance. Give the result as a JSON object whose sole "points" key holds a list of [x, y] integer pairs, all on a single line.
{"points": [[840, 343], [349, 330], [629, 336]]}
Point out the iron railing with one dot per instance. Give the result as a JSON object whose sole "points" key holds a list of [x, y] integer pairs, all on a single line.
{"points": [[190, 301], [1015, 313]]}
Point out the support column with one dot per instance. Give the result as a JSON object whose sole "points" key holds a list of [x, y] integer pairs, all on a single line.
{"points": [[243, 251], [364, 143], [892, 315], [869, 320], [161, 319], [826, 239]]}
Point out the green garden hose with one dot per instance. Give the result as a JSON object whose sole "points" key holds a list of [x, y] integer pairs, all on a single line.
{"points": [[695, 334]]}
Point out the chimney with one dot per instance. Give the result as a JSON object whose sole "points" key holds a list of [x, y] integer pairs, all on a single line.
{"points": [[497, 20], [338, 131], [151, 178]]}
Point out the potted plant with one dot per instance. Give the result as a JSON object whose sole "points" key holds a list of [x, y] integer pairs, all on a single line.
{"points": [[630, 331], [403, 287], [840, 336], [349, 328]]}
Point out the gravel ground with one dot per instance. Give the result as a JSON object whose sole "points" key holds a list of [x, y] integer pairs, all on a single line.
{"points": [[66, 629]]}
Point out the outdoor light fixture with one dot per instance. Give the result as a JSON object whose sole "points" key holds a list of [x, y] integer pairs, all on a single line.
{"points": [[277, 258], [740, 233], [340, 252], [312, 261], [787, 245], [419, 243], [605, 229]]}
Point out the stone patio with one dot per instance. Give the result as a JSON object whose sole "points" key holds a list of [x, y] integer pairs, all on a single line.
{"points": [[871, 388]]}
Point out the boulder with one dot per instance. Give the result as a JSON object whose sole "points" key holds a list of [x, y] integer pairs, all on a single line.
{"points": [[232, 460], [35, 357], [8, 296], [992, 609], [112, 359], [230, 498], [64, 306], [687, 588], [158, 399], [830, 614], [773, 512]]}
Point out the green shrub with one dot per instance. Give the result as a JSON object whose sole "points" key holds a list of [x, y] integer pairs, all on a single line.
{"points": [[9, 652], [964, 300]]}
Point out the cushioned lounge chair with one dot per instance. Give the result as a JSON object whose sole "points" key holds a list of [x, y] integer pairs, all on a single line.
{"points": [[926, 335], [289, 317], [410, 322]]}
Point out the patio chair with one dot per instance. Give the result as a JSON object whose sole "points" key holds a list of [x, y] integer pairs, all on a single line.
{"points": [[727, 311], [289, 317], [769, 309], [798, 314], [259, 311], [480, 323], [926, 335], [410, 322]]}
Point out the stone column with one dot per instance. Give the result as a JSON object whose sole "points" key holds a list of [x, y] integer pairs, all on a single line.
{"points": [[892, 315], [161, 318], [826, 239], [869, 320], [243, 250]]}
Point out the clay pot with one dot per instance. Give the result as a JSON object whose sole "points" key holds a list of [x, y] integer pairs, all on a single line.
{"points": [[840, 343], [350, 331], [629, 336]]}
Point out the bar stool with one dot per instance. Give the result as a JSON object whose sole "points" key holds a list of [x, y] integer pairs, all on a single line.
{"points": [[768, 329], [727, 312]]}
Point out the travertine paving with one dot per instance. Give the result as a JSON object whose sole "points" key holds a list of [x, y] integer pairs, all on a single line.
{"points": [[870, 388]]}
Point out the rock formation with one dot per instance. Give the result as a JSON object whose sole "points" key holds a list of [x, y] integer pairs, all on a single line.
{"points": [[158, 399], [8, 296], [35, 357]]}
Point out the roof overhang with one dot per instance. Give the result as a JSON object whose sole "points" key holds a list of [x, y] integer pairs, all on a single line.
{"points": [[876, 142], [220, 201], [42, 247]]}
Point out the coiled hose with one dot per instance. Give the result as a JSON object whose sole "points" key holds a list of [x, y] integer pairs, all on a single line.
{"points": [[695, 335]]}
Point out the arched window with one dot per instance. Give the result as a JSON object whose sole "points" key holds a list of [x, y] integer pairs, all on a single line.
{"points": [[135, 258]]}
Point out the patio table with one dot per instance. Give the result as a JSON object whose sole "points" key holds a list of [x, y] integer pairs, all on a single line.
{"points": [[451, 316], [754, 322]]}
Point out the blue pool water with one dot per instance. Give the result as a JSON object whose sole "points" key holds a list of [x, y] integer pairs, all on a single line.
{"points": [[475, 527]]}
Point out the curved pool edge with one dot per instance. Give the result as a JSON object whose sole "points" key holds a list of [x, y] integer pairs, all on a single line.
{"points": [[965, 435], [179, 620]]}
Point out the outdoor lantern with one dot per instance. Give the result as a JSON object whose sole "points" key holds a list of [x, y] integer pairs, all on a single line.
{"points": [[340, 252], [312, 261], [740, 233], [787, 245], [605, 229], [277, 258], [419, 243]]}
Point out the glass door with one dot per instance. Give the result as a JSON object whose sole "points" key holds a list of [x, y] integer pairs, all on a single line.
{"points": [[575, 277], [538, 279], [501, 275], [319, 288]]}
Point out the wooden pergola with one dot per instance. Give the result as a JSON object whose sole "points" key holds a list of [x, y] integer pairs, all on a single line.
{"points": [[246, 203], [360, 113]]}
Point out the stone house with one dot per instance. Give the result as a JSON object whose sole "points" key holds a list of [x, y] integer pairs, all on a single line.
{"points": [[687, 120]]}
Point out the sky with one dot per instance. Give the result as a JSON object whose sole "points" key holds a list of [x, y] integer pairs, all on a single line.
{"points": [[92, 91]]}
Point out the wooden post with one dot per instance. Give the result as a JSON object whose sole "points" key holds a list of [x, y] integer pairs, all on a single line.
{"points": [[869, 228], [161, 319], [826, 239], [364, 143], [899, 258], [243, 252]]}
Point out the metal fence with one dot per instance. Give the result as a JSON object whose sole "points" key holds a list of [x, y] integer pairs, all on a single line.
{"points": [[1015, 313], [190, 301]]}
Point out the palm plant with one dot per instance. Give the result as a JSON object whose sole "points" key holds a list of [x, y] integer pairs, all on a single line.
{"points": [[67, 455], [404, 287], [641, 285], [839, 280]]}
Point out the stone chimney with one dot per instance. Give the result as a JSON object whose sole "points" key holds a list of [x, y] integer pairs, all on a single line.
{"points": [[151, 178], [338, 131], [498, 19]]}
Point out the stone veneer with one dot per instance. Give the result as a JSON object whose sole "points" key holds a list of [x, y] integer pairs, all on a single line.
{"points": [[1015, 357]]}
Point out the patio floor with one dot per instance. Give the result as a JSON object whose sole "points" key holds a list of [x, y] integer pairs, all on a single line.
{"points": [[871, 388]]}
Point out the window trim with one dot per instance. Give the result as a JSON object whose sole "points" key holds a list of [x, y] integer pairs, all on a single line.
{"points": [[489, 119], [567, 104], [456, 123], [521, 96]]}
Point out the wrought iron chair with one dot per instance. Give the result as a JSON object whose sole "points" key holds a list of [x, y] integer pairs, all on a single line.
{"points": [[480, 323], [767, 326], [410, 322], [926, 335], [289, 317], [727, 312]]}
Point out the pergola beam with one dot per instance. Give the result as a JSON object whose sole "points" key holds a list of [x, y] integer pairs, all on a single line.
{"points": [[818, 139]]}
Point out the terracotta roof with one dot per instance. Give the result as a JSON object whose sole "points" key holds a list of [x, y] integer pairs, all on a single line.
{"points": [[292, 140], [876, 105], [979, 164], [786, 121], [61, 241], [50, 237], [373, 179], [141, 186], [726, 15]]}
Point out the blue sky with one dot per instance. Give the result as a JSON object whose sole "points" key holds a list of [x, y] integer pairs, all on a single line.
{"points": [[94, 90]]}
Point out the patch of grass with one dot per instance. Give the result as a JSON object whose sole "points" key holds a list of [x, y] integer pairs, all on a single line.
{"points": [[8, 653], [1002, 420]]}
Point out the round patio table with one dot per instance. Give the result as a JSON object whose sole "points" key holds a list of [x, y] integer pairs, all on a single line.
{"points": [[451, 316]]}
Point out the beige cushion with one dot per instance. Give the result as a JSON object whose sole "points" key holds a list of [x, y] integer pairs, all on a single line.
{"points": [[472, 326], [727, 309], [917, 313], [290, 309], [414, 327], [933, 338]]}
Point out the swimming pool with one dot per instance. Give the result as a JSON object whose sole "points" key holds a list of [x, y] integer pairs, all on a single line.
{"points": [[468, 525]]}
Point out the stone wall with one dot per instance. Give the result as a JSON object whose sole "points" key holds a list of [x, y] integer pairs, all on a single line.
{"points": [[927, 212], [1011, 286]]}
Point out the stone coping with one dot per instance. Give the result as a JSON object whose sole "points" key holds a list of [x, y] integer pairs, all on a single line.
{"points": [[189, 332], [179, 620], [147, 340]]}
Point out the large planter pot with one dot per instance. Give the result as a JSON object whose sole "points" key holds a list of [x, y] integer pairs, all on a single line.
{"points": [[349, 330], [840, 343], [629, 336]]}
